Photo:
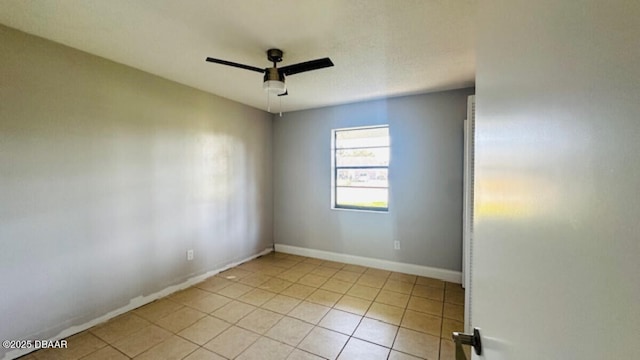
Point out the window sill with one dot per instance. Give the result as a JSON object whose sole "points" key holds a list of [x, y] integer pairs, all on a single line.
{"points": [[361, 210]]}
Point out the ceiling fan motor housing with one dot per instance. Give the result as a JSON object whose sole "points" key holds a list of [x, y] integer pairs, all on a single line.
{"points": [[273, 74], [274, 81]]}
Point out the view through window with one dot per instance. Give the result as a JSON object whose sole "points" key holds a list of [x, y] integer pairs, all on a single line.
{"points": [[361, 168]]}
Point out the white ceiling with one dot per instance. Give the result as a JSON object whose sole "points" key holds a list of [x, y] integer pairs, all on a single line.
{"points": [[380, 48]]}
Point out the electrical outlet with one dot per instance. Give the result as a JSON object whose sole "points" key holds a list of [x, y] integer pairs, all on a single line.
{"points": [[190, 255], [396, 245]]}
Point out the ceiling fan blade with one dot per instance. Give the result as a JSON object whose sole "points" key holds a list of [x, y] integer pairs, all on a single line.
{"points": [[286, 92], [241, 66], [306, 66]]}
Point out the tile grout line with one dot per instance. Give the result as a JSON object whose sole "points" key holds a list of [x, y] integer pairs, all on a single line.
{"points": [[441, 323]]}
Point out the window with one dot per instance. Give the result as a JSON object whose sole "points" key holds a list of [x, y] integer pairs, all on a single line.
{"points": [[361, 168]]}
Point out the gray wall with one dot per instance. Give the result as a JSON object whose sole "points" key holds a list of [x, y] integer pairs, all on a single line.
{"points": [[425, 212], [108, 175]]}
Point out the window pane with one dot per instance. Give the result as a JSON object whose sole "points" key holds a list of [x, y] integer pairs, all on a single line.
{"points": [[374, 198], [361, 168], [362, 137], [363, 157], [363, 177]]}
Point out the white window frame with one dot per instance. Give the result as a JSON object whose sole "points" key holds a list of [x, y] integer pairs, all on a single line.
{"points": [[334, 173]]}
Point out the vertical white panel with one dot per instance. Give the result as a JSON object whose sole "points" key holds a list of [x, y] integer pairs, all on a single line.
{"points": [[467, 219]]}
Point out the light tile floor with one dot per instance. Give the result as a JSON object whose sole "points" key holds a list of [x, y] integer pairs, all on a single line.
{"points": [[283, 306]]}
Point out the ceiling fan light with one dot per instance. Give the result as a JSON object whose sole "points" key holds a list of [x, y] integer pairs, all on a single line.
{"points": [[276, 87]]}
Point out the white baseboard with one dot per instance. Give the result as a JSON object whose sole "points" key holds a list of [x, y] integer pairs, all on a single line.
{"points": [[136, 303], [436, 273]]}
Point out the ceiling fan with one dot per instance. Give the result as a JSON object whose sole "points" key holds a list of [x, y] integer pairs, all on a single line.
{"points": [[274, 77]]}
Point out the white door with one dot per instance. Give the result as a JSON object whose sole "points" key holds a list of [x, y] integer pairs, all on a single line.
{"points": [[556, 243]]}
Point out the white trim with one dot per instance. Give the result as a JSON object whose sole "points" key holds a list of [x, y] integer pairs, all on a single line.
{"points": [[386, 211], [333, 168], [436, 273], [361, 127], [136, 303], [467, 217]]}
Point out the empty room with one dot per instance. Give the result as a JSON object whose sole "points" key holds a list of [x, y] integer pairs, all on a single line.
{"points": [[340, 179]]}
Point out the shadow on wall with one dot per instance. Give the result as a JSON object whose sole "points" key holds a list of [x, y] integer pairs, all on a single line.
{"points": [[109, 179], [228, 195], [88, 241]]}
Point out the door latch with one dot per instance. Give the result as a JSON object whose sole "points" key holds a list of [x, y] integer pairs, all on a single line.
{"points": [[468, 339]]}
